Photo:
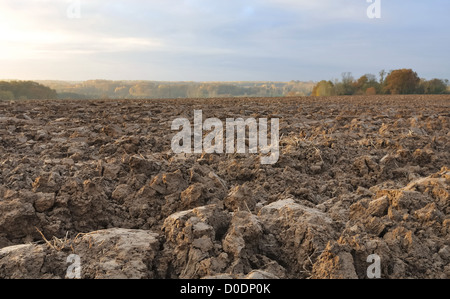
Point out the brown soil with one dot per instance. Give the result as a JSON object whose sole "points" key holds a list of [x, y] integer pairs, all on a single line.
{"points": [[356, 176]]}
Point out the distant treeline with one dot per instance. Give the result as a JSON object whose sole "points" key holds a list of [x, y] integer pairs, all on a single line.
{"points": [[402, 81], [24, 90], [106, 89]]}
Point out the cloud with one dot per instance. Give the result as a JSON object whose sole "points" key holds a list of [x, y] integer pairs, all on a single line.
{"points": [[325, 11], [46, 29], [233, 39]]}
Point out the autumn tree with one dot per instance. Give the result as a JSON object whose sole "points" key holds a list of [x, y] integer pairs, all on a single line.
{"points": [[323, 88], [371, 91], [403, 81], [367, 84]]}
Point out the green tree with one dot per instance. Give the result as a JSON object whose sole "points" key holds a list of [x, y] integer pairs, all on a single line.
{"points": [[433, 86], [26, 90], [6, 95], [346, 86], [382, 74]]}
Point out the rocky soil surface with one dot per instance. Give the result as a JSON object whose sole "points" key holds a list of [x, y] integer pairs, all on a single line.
{"points": [[357, 176]]}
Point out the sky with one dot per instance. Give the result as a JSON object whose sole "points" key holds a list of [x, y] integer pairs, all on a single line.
{"points": [[221, 40]]}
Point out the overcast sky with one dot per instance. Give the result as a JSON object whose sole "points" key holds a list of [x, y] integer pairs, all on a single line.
{"points": [[220, 40]]}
